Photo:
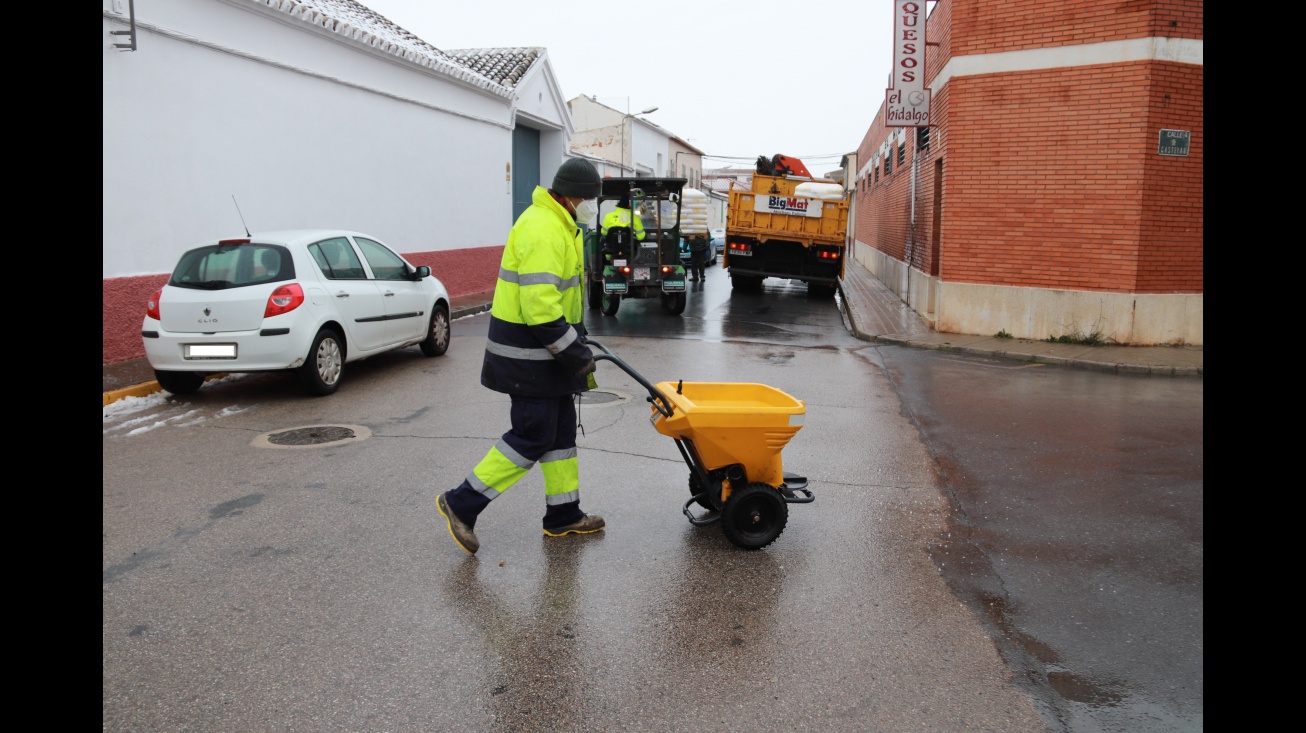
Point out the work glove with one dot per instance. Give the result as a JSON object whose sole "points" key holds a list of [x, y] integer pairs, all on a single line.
{"points": [[589, 368]]}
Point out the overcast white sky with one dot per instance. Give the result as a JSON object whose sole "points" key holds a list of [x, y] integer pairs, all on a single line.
{"points": [[735, 79]]}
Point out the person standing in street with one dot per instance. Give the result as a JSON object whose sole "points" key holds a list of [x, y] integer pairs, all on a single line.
{"points": [[534, 355], [698, 246]]}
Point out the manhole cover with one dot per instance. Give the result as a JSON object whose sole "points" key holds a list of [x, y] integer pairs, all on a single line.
{"points": [[312, 436], [599, 397]]}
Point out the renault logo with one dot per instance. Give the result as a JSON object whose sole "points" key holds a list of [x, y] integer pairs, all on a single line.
{"points": [[207, 311]]}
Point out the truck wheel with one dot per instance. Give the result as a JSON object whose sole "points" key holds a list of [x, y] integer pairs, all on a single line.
{"points": [[596, 294], [609, 303], [820, 290], [750, 283], [754, 516], [674, 303]]}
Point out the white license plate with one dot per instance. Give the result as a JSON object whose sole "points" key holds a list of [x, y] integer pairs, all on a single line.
{"points": [[741, 253], [210, 351], [641, 273], [619, 263]]}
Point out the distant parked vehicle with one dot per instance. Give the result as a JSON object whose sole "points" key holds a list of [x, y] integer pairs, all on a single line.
{"points": [[308, 301], [684, 252]]}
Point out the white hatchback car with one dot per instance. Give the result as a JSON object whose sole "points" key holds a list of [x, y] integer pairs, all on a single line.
{"points": [[310, 301]]}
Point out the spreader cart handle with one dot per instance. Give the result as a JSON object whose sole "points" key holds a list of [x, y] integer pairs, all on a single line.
{"points": [[655, 396]]}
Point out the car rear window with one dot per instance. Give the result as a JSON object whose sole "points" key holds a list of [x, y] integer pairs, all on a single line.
{"points": [[221, 266]]}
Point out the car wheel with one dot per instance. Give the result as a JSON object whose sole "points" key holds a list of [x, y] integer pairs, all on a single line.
{"points": [[321, 371], [437, 334], [179, 382]]}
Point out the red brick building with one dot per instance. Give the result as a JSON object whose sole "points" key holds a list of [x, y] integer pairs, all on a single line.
{"points": [[1043, 200]]}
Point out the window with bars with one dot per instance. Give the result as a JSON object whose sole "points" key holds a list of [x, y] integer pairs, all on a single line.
{"points": [[922, 138], [902, 152]]}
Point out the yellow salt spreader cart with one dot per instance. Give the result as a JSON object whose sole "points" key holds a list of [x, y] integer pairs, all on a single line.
{"points": [[730, 435]]}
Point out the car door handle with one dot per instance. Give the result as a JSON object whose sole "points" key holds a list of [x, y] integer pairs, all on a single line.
{"points": [[342, 294], [389, 293]]}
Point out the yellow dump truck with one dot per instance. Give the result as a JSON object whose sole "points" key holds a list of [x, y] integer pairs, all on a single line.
{"points": [[789, 225]]}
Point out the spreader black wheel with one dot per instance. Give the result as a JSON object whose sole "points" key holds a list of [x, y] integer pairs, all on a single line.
{"points": [[609, 304], [596, 294], [754, 516], [710, 501]]}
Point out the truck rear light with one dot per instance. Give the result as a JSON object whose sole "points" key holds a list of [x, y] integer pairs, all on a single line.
{"points": [[624, 270], [738, 247], [284, 299], [152, 305], [827, 255], [666, 269]]}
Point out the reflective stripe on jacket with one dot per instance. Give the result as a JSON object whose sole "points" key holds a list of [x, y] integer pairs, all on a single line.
{"points": [[536, 319], [621, 218]]}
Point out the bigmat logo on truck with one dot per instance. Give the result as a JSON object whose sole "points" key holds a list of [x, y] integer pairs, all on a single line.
{"points": [[792, 205]]}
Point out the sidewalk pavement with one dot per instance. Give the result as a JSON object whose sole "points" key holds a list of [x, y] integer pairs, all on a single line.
{"points": [[875, 314]]}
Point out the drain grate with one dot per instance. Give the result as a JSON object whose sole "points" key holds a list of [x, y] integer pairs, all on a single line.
{"points": [[312, 436], [599, 397]]}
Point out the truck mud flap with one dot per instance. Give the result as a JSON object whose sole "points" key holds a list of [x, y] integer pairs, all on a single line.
{"points": [[674, 281], [614, 282]]}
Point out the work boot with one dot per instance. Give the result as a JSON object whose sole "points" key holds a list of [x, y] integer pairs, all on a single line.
{"points": [[587, 524], [461, 533]]}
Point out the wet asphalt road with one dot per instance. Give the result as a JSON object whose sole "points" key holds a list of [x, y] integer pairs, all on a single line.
{"points": [[249, 586]]}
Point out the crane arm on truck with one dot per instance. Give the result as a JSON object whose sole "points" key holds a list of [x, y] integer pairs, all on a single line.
{"points": [[782, 165]]}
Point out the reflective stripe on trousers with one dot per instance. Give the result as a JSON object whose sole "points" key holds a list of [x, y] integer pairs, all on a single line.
{"points": [[543, 431]]}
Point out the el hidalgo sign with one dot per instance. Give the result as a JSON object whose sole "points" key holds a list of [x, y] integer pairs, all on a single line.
{"points": [[907, 100]]}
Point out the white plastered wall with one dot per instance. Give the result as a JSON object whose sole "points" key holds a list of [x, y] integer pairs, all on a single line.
{"points": [[303, 128]]}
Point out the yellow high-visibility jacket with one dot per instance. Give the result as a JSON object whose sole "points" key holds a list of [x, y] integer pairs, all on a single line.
{"points": [[536, 320], [622, 218]]}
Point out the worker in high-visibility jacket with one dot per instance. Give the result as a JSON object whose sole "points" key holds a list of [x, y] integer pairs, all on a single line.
{"points": [[535, 355], [622, 216]]}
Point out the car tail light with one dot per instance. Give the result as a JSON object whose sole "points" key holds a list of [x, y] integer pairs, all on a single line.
{"points": [[152, 305], [284, 299], [625, 270], [227, 242]]}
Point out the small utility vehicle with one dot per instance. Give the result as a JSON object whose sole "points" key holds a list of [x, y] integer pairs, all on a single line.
{"points": [[618, 265]]}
